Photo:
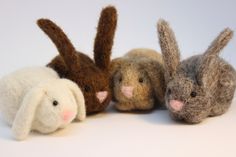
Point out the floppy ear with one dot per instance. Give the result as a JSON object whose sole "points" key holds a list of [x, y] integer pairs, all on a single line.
{"points": [[24, 118], [155, 72], [63, 44], [115, 65], [220, 42], [79, 97], [169, 48], [104, 38]]}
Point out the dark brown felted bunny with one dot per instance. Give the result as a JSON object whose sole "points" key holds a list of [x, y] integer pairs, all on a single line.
{"points": [[137, 80], [91, 76], [200, 86]]}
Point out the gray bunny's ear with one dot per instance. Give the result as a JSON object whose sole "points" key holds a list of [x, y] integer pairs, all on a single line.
{"points": [[220, 42], [115, 65], [79, 97], [24, 118], [169, 48]]}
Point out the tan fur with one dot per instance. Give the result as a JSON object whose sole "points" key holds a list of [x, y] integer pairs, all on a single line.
{"points": [[137, 64]]}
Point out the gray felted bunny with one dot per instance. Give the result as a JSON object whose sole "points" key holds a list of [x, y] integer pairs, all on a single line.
{"points": [[200, 86], [137, 80]]}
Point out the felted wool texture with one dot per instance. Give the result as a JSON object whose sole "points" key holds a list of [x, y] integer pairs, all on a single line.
{"points": [[27, 101], [141, 69], [91, 76], [204, 84]]}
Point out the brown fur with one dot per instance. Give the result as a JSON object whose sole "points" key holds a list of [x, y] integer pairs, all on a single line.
{"points": [[90, 76], [205, 83], [136, 64]]}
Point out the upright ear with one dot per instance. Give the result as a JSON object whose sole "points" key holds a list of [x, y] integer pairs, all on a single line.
{"points": [[220, 42], [24, 118], [208, 66], [79, 97], [63, 44], [155, 72], [104, 38], [169, 48]]}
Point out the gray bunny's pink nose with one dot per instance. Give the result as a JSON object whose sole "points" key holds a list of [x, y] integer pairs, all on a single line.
{"points": [[176, 105], [102, 95], [127, 91]]}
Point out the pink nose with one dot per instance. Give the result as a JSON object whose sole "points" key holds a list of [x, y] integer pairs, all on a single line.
{"points": [[127, 91], [102, 95], [176, 105], [68, 116]]}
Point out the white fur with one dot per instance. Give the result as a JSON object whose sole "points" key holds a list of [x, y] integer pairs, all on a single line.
{"points": [[26, 101]]}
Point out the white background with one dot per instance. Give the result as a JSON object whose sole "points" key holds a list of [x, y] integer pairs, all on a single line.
{"points": [[196, 24]]}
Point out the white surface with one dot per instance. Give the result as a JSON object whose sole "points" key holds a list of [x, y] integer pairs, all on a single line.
{"points": [[196, 24]]}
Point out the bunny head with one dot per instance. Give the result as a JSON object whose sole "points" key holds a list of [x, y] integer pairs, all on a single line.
{"points": [[51, 105], [91, 76], [190, 83], [133, 83]]}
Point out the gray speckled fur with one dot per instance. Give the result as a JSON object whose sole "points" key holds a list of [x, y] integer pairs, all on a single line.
{"points": [[212, 78], [138, 63]]}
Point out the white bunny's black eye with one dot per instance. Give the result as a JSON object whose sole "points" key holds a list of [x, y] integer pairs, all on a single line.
{"points": [[193, 94], [140, 80], [55, 103]]}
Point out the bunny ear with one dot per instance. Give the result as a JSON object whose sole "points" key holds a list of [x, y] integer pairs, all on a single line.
{"points": [[25, 116], [155, 72], [58, 37], [169, 48], [220, 42], [79, 97], [104, 38], [115, 65]]}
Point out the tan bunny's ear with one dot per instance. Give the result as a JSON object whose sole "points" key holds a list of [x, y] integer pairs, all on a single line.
{"points": [[24, 118], [79, 97], [104, 38], [155, 72], [169, 48], [220, 42], [59, 38]]}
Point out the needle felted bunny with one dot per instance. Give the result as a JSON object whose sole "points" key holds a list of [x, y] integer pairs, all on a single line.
{"points": [[37, 99], [137, 80], [91, 76], [200, 86]]}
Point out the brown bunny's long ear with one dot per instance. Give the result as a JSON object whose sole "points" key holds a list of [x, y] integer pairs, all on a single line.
{"points": [[220, 42], [169, 48], [104, 38], [59, 38]]}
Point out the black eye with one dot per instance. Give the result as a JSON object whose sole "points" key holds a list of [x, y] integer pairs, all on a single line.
{"points": [[169, 91], [193, 94], [55, 103], [87, 88], [140, 80], [120, 79]]}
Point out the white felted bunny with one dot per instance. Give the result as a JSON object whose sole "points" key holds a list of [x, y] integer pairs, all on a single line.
{"points": [[37, 99]]}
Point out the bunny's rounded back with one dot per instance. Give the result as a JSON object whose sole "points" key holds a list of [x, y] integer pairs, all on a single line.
{"points": [[200, 86], [137, 80]]}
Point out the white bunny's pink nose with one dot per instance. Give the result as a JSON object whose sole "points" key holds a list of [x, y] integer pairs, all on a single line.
{"points": [[127, 91], [68, 116], [176, 105], [102, 95]]}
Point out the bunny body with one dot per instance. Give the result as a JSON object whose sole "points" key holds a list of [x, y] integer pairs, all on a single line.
{"points": [[200, 86], [91, 76], [138, 80], [37, 99]]}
